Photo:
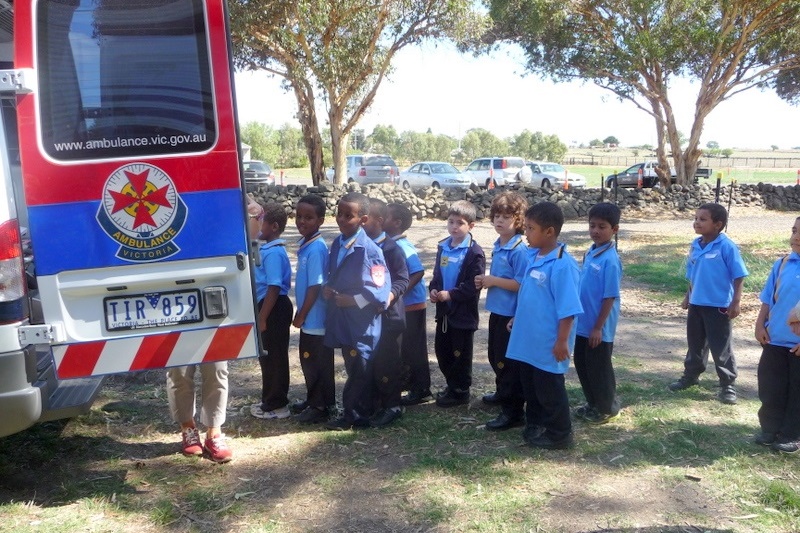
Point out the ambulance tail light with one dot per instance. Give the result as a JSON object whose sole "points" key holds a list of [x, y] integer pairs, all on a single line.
{"points": [[12, 274]]}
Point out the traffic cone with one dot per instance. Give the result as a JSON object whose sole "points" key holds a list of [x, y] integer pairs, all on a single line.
{"points": [[566, 179], [491, 179], [640, 181]]}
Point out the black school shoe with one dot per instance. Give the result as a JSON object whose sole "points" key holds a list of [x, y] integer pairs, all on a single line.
{"points": [[416, 397], [727, 395], [343, 424], [764, 438], [384, 417], [786, 445], [503, 422], [683, 382], [547, 443], [452, 397], [491, 399], [312, 415]]}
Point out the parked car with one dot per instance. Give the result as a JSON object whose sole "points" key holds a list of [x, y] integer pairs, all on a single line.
{"points": [[257, 174], [368, 168], [436, 174], [545, 174], [630, 176], [501, 170]]}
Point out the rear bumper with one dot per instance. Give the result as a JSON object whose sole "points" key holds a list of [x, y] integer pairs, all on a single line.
{"points": [[20, 400]]}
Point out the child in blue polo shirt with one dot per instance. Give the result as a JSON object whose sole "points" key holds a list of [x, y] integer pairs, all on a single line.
{"points": [[458, 260], [778, 331], [509, 261], [543, 330], [273, 280], [716, 272], [357, 293], [316, 359], [601, 275], [416, 371]]}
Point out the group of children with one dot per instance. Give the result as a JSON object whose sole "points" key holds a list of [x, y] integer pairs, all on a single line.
{"points": [[366, 296]]}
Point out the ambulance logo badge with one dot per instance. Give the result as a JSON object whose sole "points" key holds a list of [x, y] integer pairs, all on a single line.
{"points": [[141, 210]]}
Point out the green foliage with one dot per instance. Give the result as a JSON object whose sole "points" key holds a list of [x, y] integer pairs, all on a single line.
{"points": [[726, 152], [479, 142], [537, 146], [610, 140], [281, 148]]}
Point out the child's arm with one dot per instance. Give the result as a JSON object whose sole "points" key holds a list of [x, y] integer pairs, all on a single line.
{"points": [[484, 282], [762, 336], [312, 293], [466, 290], [561, 347], [596, 335], [414, 278], [273, 291], [735, 306], [685, 302], [436, 281]]}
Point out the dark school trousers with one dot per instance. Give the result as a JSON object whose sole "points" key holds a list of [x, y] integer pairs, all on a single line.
{"points": [[779, 391], [316, 361], [707, 328], [547, 405], [454, 354], [275, 362], [357, 396], [386, 366], [508, 387], [596, 374], [414, 352]]}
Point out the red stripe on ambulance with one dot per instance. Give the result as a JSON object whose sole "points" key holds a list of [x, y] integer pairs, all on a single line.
{"points": [[155, 351]]}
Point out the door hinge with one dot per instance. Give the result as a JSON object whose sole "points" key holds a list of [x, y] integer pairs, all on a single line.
{"points": [[36, 334], [18, 80]]}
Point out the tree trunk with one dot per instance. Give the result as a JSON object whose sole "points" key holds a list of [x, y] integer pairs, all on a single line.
{"points": [[307, 116], [339, 141]]}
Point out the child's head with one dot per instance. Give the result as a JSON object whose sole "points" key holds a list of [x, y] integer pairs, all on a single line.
{"points": [[460, 220], [351, 213], [543, 222], [398, 219], [795, 240], [274, 221], [709, 220], [508, 213], [377, 215], [603, 222], [309, 214]]}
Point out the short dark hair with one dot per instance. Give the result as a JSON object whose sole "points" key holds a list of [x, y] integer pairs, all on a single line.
{"points": [[275, 213], [316, 202], [606, 211], [512, 204], [378, 205], [717, 212], [464, 209], [401, 213], [357, 198], [547, 215]]}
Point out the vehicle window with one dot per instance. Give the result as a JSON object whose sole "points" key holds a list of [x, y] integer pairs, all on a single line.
{"points": [[552, 168], [442, 168], [414, 168], [473, 166], [483, 165], [379, 161], [515, 162], [122, 78], [634, 169], [256, 166], [497, 163]]}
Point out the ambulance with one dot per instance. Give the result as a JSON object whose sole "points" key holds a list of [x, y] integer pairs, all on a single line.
{"points": [[123, 224]]}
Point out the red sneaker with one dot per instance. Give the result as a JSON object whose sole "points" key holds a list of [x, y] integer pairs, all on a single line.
{"points": [[191, 442], [218, 450]]}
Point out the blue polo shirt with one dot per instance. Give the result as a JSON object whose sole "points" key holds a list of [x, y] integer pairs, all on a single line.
{"points": [[275, 269], [508, 261], [549, 293], [601, 276], [711, 270], [781, 293], [312, 270], [417, 294], [452, 259]]}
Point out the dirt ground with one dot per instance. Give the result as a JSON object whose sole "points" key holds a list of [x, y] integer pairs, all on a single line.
{"points": [[275, 459]]}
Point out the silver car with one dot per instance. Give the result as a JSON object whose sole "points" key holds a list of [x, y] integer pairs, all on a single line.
{"points": [[369, 168], [436, 174], [548, 175]]}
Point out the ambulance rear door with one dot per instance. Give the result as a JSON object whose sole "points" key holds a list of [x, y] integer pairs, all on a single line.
{"points": [[131, 169]]}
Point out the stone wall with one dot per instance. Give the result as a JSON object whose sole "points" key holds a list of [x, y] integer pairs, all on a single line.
{"points": [[433, 203]]}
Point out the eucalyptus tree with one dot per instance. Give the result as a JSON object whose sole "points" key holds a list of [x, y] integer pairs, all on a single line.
{"points": [[336, 53], [636, 48]]}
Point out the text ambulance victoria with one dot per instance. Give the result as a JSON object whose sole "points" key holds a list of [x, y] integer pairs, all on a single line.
{"points": [[130, 162]]}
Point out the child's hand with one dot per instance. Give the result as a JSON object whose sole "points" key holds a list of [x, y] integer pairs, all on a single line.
{"points": [[434, 294], [685, 302], [795, 327], [443, 296], [595, 337], [761, 334], [262, 324], [328, 293], [297, 322], [510, 324], [345, 300], [479, 281], [561, 350], [796, 350], [734, 309]]}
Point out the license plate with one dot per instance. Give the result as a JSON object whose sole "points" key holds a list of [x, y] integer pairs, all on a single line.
{"points": [[153, 310]]}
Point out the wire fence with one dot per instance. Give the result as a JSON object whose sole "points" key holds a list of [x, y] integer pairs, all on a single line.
{"points": [[705, 161]]}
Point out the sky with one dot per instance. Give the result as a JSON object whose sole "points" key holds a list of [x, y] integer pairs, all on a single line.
{"points": [[438, 88]]}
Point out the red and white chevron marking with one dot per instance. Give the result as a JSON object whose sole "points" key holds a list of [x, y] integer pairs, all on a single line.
{"points": [[155, 351]]}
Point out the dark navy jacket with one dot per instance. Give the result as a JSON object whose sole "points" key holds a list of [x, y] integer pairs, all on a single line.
{"points": [[362, 271], [395, 316], [461, 311]]}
